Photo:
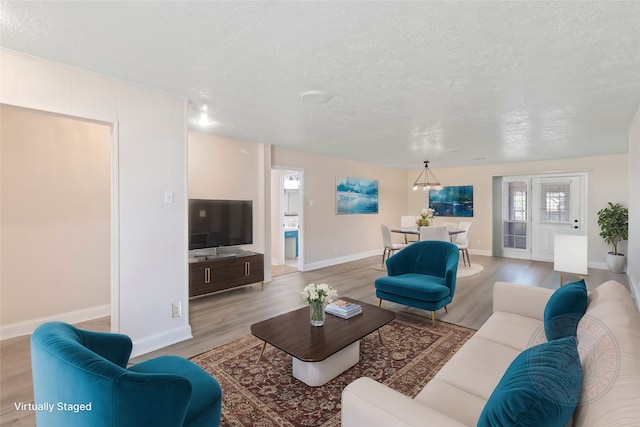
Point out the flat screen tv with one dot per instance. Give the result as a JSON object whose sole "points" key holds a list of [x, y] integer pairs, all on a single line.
{"points": [[216, 223]]}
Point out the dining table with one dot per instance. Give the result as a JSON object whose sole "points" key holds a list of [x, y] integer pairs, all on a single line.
{"points": [[415, 231]]}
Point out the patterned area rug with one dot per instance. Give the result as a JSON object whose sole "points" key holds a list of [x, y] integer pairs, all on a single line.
{"points": [[265, 393]]}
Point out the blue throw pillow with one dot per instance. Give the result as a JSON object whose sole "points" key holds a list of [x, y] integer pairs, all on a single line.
{"points": [[541, 387], [564, 310]]}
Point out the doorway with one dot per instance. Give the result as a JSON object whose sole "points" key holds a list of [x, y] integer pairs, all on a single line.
{"points": [[286, 217], [536, 208]]}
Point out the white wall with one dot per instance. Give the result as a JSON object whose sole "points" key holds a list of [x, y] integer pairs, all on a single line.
{"points": [[152, 234], [607, 181], [330, 238], [149, 250], [633, 251]]}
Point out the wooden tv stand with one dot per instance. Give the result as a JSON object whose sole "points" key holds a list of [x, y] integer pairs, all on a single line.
{"points": [[219, 272]]}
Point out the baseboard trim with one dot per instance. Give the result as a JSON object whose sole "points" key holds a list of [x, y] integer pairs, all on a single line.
{"points": [[597, 265], [161, 340], [479, 252], [376, 252], [341, 260], [26, 327]]}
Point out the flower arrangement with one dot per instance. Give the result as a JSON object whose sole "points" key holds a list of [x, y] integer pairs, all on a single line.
{"points": [[321, 293], [426, 215], [318, 296]]}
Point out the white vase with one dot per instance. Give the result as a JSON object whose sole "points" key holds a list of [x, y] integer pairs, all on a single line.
{"points": [[615, 263]]}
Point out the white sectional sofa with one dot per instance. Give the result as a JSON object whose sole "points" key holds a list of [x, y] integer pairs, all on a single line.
{"points": [[608, 344]]}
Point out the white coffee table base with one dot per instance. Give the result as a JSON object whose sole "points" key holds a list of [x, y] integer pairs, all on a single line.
{"points": [[316, 374]]}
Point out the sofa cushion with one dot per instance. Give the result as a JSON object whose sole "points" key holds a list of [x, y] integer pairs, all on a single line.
{"points": [[541, 387], [512, 330], [451, 392], [564, 310], [455, 402]]}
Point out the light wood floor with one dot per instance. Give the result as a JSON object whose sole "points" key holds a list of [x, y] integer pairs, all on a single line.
{"points": [[279, 270], [221, 318]]}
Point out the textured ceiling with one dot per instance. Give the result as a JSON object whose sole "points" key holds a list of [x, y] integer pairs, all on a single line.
{"points": [[456, 83]]}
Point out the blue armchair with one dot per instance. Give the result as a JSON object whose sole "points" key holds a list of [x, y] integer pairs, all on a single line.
{"points": [[423, 275], [80, 378]]}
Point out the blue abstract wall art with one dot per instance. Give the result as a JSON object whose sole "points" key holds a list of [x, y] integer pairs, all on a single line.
{"points": [[356, 195], [452, 201]]}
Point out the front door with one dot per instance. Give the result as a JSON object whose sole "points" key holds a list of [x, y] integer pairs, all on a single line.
{"points": [[557, 207]]}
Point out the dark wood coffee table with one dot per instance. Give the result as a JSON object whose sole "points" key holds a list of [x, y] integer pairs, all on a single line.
{"points": [[321, 353]]}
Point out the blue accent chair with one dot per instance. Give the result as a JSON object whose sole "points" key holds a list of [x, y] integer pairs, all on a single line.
{"points": [[80, 378], [423, 275]]}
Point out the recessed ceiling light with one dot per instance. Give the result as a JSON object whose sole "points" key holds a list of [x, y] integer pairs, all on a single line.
{"points": [[314, 96], [204, 120]]}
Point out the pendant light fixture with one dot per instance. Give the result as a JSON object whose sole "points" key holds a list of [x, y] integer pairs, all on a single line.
{"points": [[427, 180]]}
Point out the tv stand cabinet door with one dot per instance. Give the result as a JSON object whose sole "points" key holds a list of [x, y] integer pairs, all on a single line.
{"points": [[201, 276], [253, 268], [240, 271]]}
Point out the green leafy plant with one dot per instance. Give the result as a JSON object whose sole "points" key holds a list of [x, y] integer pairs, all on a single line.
{"points": [[614, 224]]}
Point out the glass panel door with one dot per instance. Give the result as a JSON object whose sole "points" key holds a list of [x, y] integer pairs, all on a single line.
{"points": [[515, 218]]}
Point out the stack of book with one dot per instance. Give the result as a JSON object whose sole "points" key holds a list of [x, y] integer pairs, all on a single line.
{"points": [[344, 309]]}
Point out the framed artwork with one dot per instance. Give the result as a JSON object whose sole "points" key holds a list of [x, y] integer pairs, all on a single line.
{"points": [[452, 201], [356, 195]]}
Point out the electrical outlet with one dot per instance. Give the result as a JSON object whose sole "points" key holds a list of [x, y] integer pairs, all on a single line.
{"points": [[176, 309]]}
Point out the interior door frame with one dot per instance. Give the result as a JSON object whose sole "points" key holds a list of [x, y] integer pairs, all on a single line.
{"points": [[301, 228]]}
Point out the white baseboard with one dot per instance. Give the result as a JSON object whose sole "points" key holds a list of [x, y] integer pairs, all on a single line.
{"points": [[597, 265], [341, 260], [161, 340], [479, 252], [28, 326], [376, 252]]}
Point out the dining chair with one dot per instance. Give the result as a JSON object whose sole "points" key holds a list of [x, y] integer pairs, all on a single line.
{"points": [[451, 226], [462, 241], [408, 221], [434, 233], [389, 246]]}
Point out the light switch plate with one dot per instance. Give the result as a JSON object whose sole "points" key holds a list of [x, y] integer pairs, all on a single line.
{"points": [[168, 197]]}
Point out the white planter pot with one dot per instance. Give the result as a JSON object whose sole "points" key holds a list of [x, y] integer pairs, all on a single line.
{"points": [[615, 263]]}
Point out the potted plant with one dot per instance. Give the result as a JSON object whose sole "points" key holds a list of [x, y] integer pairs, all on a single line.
{"points": [[614, 228]]}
